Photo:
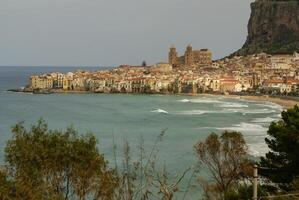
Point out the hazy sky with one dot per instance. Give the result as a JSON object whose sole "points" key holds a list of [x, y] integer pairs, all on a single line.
{"points": [[113, 32]]}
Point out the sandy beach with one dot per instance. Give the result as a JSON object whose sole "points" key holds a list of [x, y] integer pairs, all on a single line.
{"points": [[286, 103]]}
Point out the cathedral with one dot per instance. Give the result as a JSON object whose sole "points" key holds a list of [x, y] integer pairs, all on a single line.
{"points": [[191, 58]]}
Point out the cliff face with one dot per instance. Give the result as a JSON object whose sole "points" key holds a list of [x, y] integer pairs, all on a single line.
{"points": [[273, 27]]}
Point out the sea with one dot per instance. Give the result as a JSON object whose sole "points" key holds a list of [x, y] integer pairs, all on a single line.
{"points": [[137, 119]]}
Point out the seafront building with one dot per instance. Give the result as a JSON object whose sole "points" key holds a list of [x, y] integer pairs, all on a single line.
{"points": [[195, 72], [42, 82]]}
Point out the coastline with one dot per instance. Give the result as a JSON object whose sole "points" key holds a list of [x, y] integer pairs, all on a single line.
{"points": [[284, 102]]}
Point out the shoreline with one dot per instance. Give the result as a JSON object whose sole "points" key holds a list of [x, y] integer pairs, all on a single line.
{"points": [[286, 102]]}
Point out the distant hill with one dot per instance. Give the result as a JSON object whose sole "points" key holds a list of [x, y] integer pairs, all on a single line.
{"points": [[273, 28]]}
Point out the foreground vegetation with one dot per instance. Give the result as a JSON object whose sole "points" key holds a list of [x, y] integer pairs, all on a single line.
{"points": [[51, 164]]}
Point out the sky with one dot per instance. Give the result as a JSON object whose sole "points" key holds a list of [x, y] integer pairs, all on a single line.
{"points": [[114, 32]]}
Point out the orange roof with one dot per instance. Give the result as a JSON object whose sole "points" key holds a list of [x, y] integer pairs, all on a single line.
{"points": [[229, 81]]}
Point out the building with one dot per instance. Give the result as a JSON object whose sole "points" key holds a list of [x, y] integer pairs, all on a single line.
{"points": [[282, 58], [190, 58], [161, 67], [229, 84], [41, 82], [67, 84]]}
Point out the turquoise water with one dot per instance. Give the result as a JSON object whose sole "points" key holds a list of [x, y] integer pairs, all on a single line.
{"points": [[187, 119]]}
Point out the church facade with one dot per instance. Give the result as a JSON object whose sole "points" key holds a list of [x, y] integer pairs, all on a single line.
{"points": [[190, 58]]}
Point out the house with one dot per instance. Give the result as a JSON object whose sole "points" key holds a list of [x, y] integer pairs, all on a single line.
{"points": [[229, 84], [41, 82]]}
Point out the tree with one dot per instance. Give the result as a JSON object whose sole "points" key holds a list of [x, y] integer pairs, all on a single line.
{"points": [[143, 64], [5, 186], [62, 165], [142, 178], [225, 157], [51, 164], [282, 160]]}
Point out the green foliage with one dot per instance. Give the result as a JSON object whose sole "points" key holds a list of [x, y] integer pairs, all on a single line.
{"points": [[283, 158], [51, 164]]}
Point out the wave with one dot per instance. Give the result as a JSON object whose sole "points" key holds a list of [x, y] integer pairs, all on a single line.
{"points": [[159, 111], [206, 100], [206, 127], [225, 111], [201, 100], [185, 100], [233, 105], [259, 111], [242, 127], [192, 112], [271, 105], [201, 112], [253, 111], [258, 149], [246, 127], [264, 120]]}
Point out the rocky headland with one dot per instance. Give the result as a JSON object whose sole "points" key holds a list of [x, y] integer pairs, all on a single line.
{"points": [[273, 28]]}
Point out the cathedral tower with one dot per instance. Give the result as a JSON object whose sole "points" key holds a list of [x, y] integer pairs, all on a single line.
{"points": [[189, 55], [172, 56]]}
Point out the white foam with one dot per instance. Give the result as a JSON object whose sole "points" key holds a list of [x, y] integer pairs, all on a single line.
{"points": [[259, 111], [252, 111], [159, 111], [201, 112], [206, 127], [258, 149], [233, 105], [246, 127], [236, 110], [192, 112], [271, 105], [264, 120], [204, 100], [185, 100]]}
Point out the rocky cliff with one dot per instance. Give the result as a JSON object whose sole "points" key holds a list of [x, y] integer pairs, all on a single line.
{"points": [[273, 27]]}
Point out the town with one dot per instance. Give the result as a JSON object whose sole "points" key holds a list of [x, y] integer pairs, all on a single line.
{"points": [[194, 72]]}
